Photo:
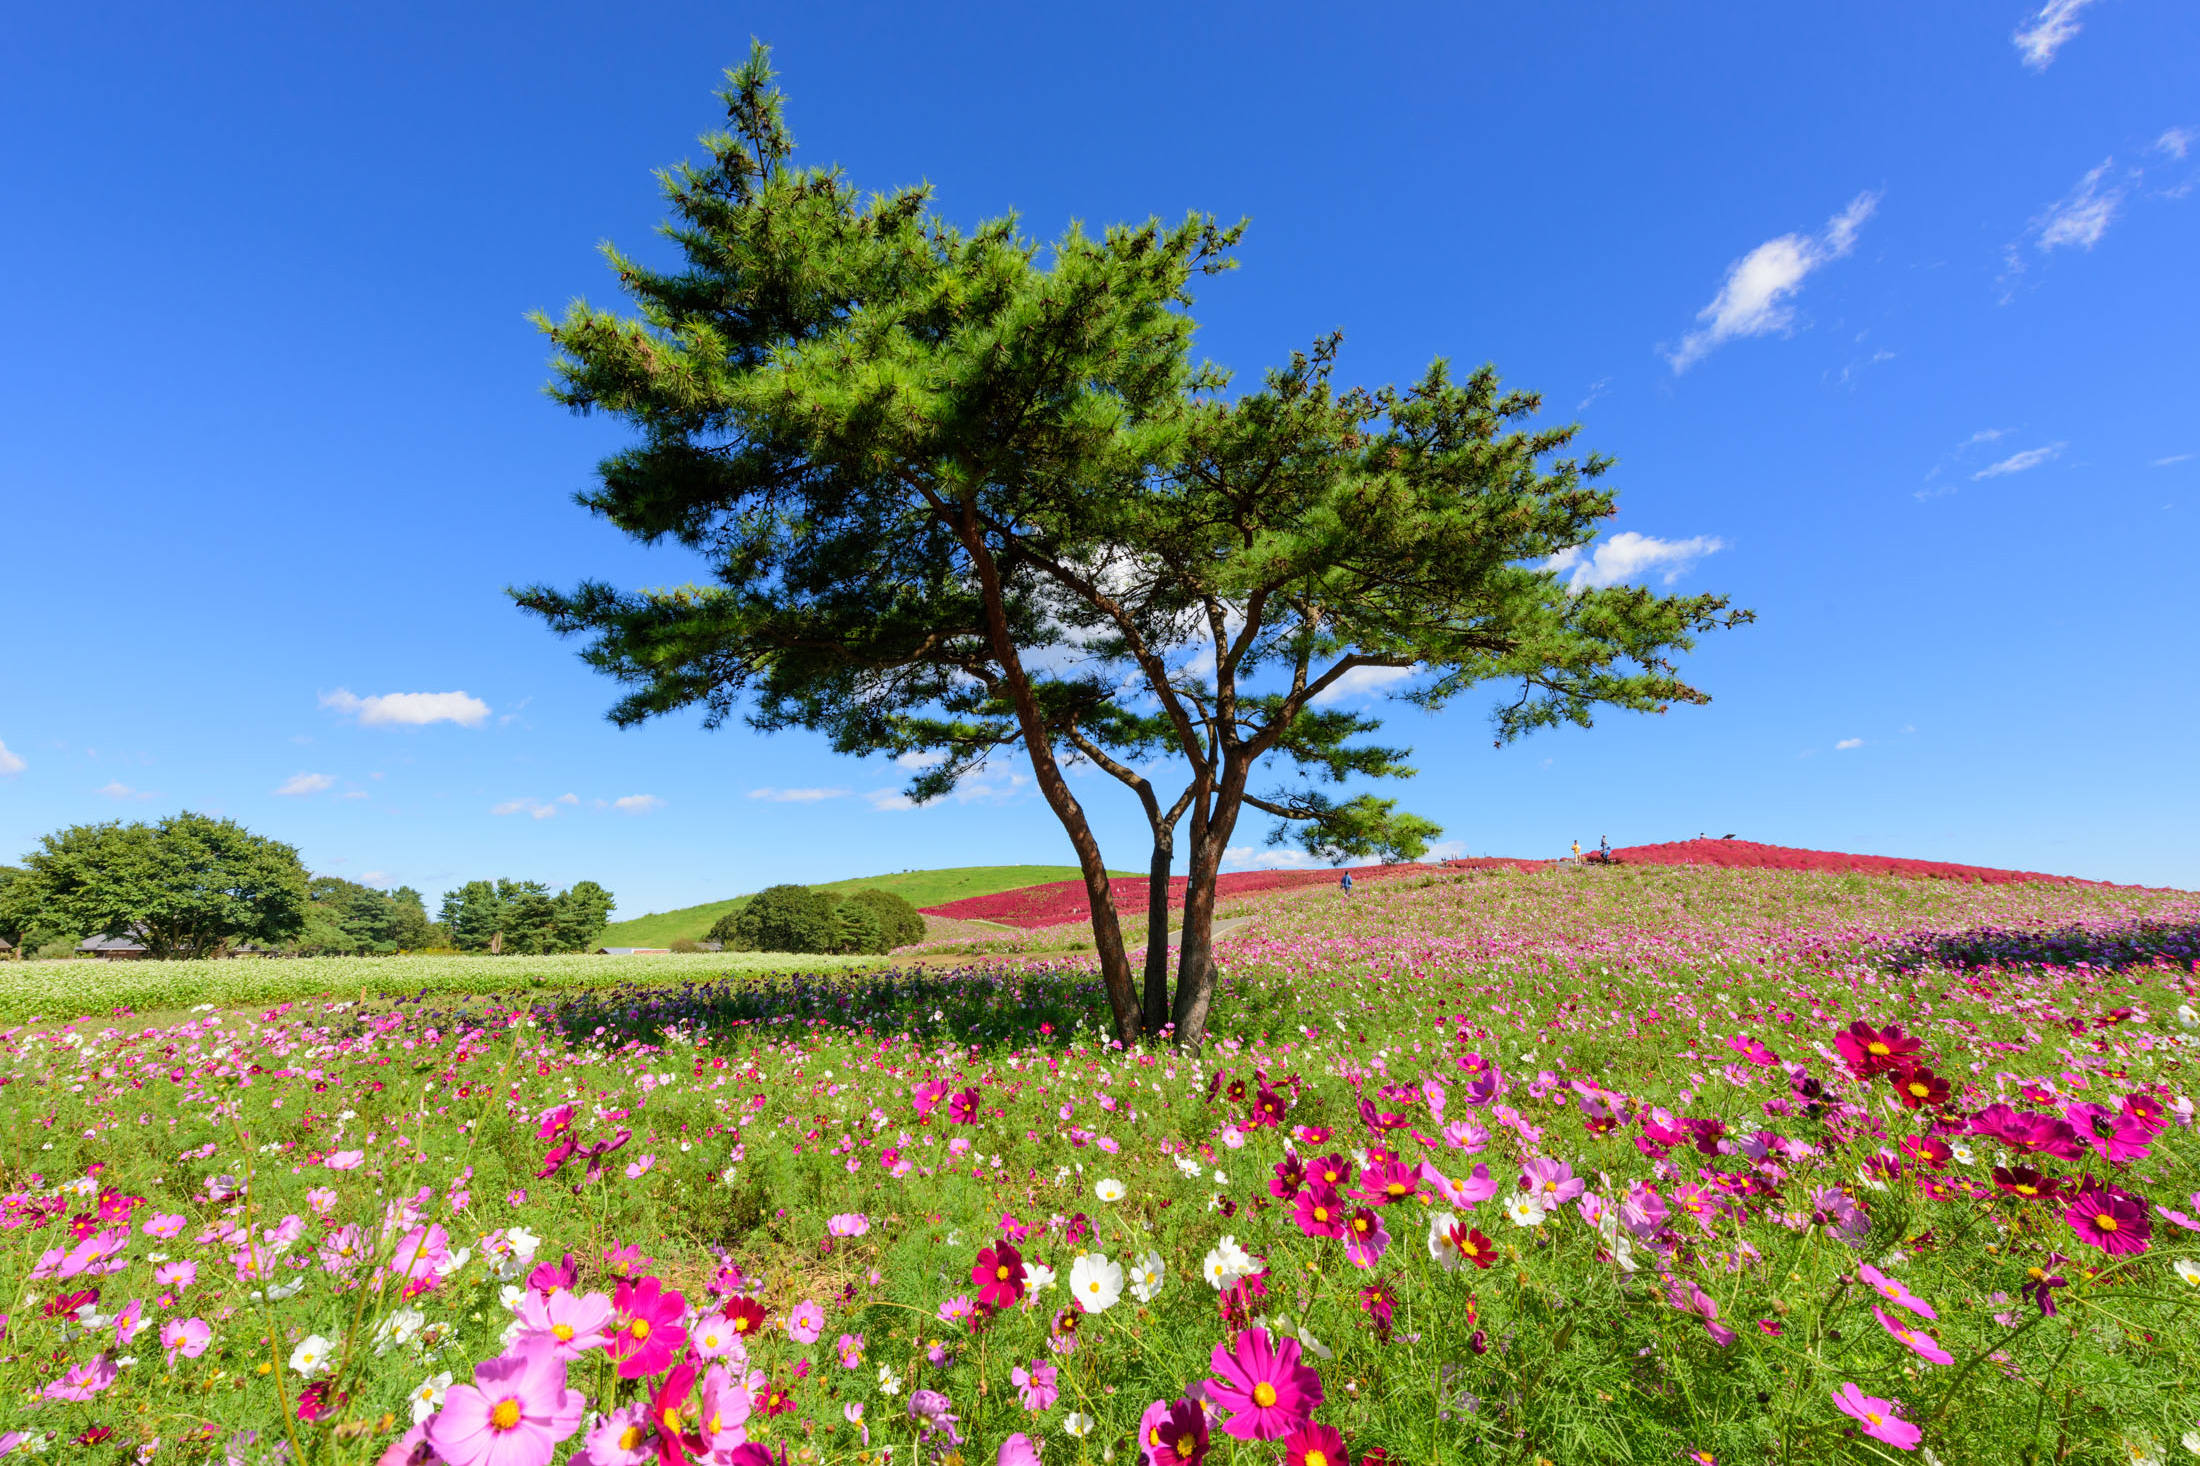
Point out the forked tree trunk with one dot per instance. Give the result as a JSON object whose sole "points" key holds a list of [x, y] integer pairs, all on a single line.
{"points": [[1156, 1007], [1195, 980]]}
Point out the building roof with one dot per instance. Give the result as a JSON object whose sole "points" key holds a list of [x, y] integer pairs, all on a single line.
{"points": [[105, 943]]}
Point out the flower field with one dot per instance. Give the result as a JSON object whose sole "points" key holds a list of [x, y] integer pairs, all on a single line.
{"points": [[1649, 1164], [1061, 902]]}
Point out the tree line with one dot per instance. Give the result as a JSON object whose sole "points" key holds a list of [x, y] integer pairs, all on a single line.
{"points": [[192, 886], [791, 918]]}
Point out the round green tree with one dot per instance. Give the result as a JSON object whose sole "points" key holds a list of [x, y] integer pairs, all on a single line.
{"points": [[899, 922], [786, 918]]}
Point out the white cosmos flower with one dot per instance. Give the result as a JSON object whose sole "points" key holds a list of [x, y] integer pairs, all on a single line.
{"points": [[1078, 1424], [427, 1398], [1038, 1277], [2188, 1270], [1095, 1282], [2142, 1450], [1147, 1275], [311, 1357], [1109, 1190], [2191, 1441], [1187, 1166], [1965, 1156], [887, 1383], [1524, 1212]]}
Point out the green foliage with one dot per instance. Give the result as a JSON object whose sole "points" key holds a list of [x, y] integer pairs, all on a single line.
{"points": [[182, 887], [786, 918], [919, 888], [349, 917], [726, 931], [900, 924], [522, 917], [856, 929]]}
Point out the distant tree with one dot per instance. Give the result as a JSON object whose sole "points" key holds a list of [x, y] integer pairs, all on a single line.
{"points": [[474, 916], [530, 917], [20, 905], [900, 923], [182, 887], [856, 930], [726, 931], [786, 918], [583, 910], [409, 926]]}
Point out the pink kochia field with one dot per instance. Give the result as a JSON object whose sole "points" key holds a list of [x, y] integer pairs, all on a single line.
{"points": [[1647, 1164]]}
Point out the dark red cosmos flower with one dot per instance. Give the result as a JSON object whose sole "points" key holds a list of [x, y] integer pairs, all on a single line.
{"points": [[1237, 1091], [1290, 1177], [999, 1275], [1869, 1051], [317, 1400], [62, 1303], [2042, 1280], [2108, 1217], [2025, 1182], [1180, 1438], [776, 1401], [1378, 1301], [1917, 1087], [1926, 1151], [1269, 1107], [95, 1434], [962, 1107], [667, 1411], [1474, 1247], [745, 1316]]}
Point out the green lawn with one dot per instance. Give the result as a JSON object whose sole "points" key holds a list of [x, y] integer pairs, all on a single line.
{"points": [[918, 887]]}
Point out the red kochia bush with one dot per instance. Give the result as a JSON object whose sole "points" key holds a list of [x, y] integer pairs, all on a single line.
{"points": [[1064, 901]]}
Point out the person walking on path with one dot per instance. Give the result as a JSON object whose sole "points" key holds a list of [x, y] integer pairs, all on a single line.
{"points": [[1346, 883], [1577, 852]]}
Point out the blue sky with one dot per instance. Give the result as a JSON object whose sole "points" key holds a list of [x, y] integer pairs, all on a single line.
{"points": [[1887, 311]]}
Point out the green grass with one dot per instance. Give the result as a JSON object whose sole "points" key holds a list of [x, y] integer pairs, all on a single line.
{"points": [[918, 887]]}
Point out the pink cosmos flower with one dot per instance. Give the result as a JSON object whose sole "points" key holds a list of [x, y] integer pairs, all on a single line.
{"points": [[640, 1167], [622, 1438], [176, 1275], [422, 1252], [714, 1337], [805, 1322], [1895, 1293], [722, 1415], [1264, 1387], [649, 1331], [1365, 1238], [1036, 1386], [573, 1323], [1685, 1295], [343, 1249], [322, 1199], [851, 1351], [1320, 1211], [130, 1323], [1877, 1419], [848, 1224], [513, 1414], [962, 1107], [554, 1122], [999, 1274], [1466, 1193], [1922, 1345], [83, 1381], [163, 1225], [2108, 1218], [187, 1336], [1385, 1182], [1550, 1182], [345, 1160], [1018, 1450]]}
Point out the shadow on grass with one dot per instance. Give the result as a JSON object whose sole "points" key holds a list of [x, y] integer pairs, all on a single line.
{"points": [[2124, 945]]}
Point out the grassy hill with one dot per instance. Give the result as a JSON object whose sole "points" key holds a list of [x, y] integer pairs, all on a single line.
{"points": [[918, 887]]}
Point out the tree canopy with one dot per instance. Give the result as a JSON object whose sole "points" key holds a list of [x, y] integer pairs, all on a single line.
{"points": [[956, 490], [524, 917], [183, 887]]}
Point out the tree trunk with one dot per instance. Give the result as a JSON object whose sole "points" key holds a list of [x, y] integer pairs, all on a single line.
{"points": [[1195, 980], [1156, 1012]]}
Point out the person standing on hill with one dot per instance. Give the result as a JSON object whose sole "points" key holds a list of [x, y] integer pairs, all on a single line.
{"points": [[1577, 852], [1346, 883]]}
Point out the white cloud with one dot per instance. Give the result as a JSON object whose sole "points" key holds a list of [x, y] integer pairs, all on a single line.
{"points": [[2045, 31], [374, 878], [2081, 216], [796, 796], [534, 807], [1361, 682], [567, 799], [305, 783], [1596, 390], [2177, 142], [119, 790], [409, 709], [1850, 743], [1754, 301], [2019, 462], [1446, 850], [889, 799], [930, 758], [1629, 556], [637, 803], [11, 764], [2158, 463]]}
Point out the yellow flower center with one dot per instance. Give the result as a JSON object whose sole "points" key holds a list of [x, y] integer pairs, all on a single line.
{"points": [[671, 1417], [741, 1325], [1264, 1395], [561, 1331], [2105, 1222], [2035, 1273], [1316, 1458], [506, 1414], [1397, 1188], [639, 1328], [1875, 1417], [1879, 1048], [1920, 1088], [631, 1438]]}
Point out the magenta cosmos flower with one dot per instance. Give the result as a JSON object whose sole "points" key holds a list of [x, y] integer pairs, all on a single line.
{"points": [[805, 1322], [186, 1336], [1877, 1419], [574, 1323], [1173, 1434], [1320, 1211], [648, 1331], [1018, 1450], [2109, 1218], [1894, 1292], [999, 1275], [83, 1380], [513, 1414], [1923, 1345], [1264, 1387]]}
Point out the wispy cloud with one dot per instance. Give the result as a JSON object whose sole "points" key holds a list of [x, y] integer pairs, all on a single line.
{"points": [[305, 783], [2046, 30], [2158, 463], [889, 799], [2081, 216], [1850, 743], [409, 709], [1756, 298], [11, 764], [1630, 556], [530, 806], [2019, 462], [1596, 390], [1362, 682], [2177, 142], [772, 795], [116, 789], [637, 803]]}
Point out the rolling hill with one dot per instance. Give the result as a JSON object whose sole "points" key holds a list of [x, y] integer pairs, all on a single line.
{"points": [[918, 887]]}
